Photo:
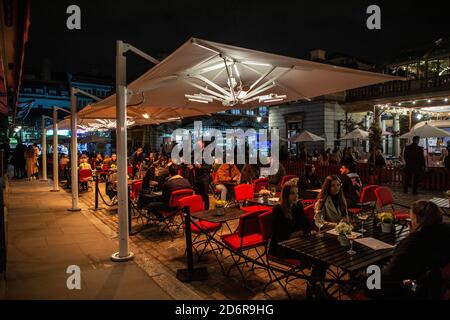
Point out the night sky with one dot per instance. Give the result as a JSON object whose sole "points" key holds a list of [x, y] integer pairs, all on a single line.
{"points": [[290, 28]]}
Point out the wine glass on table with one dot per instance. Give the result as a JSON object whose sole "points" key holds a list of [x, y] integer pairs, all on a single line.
{"points": [[362, 216], [273, 191], [352, 236], [319, 224]]}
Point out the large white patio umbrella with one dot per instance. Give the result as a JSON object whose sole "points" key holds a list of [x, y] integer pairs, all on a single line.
{"points": [[203, 77], [356, 134], [426, 131], [305, 136]]}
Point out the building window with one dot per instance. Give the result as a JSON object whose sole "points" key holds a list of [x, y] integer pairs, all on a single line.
{"points": [[39, 91], [293, 128], [412, 70], [52, 92], [236, 111], [422, 71]]}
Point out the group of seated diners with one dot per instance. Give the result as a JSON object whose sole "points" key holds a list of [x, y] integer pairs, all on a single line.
{"points": [[420, 256]]}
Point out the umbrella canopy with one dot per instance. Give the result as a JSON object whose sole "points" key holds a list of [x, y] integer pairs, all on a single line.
{"points": [[356, 134], [426, 131], [305, 136], [203, 77], [94, 139]]}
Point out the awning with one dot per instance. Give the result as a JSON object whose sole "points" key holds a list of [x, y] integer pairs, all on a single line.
{"points": [[203, 77]]}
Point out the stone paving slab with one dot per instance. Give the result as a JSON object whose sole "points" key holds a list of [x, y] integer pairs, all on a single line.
{"points": [[44, 239]]}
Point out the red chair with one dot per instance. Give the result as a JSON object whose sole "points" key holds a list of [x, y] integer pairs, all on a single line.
{"points": [[169, 216], [310, 213], [130, 172], [215, 191], [385, 198], [290, 265], [195, 204], [84, 176], [136, 188], [242, 193], [246, 237], [286, 179], [259, 184], [367, 199]]}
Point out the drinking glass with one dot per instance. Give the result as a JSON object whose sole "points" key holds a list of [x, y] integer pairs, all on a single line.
{"points": [[351, 237], [319, 223], [363, 216]]}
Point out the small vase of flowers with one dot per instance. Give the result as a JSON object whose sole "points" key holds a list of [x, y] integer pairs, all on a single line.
{"points": [[343, 229], [264, 193], [220, 205], [386, 221]]}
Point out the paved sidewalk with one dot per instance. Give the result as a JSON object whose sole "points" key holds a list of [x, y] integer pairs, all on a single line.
{"points": [[44, 239]]}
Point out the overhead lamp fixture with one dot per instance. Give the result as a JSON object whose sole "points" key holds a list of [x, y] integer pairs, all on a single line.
{"points": [[414, 102], [429, 100], [446, 99], [399, 103], [146, 116], [199, 98], [272, 98], [258, 119]]}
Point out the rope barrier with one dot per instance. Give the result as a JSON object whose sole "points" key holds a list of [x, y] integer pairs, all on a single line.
{"points": [[101, 197]]}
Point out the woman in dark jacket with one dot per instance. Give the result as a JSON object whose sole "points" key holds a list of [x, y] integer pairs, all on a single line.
{"points": [[289, 220], [420, 256], [308, 182]]}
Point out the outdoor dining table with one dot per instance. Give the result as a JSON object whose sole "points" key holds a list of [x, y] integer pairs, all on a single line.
{"points": [[264, 201], [443, 203], [214, 216], [327, 251]]}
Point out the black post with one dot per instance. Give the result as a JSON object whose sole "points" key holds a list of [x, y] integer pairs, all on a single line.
{"points": [[190, 274], [96, 192], [129, 209]]}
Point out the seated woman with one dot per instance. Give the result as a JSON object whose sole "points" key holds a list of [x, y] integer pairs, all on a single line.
{"points": [[309, 181], [420, 256], [289, 220], [331, 206]]}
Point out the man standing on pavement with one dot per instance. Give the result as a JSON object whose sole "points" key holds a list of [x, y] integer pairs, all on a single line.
{"points": [[415, 164]]}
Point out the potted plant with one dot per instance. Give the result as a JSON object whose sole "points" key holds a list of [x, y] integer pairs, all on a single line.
{"points": [[264, 192], [343, 229], [386, 221], [220, 205]]}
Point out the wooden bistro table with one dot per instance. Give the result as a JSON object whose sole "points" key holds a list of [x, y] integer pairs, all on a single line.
{"points": [[442, 203], [264, 201], [328, 252], [198, 274]]}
